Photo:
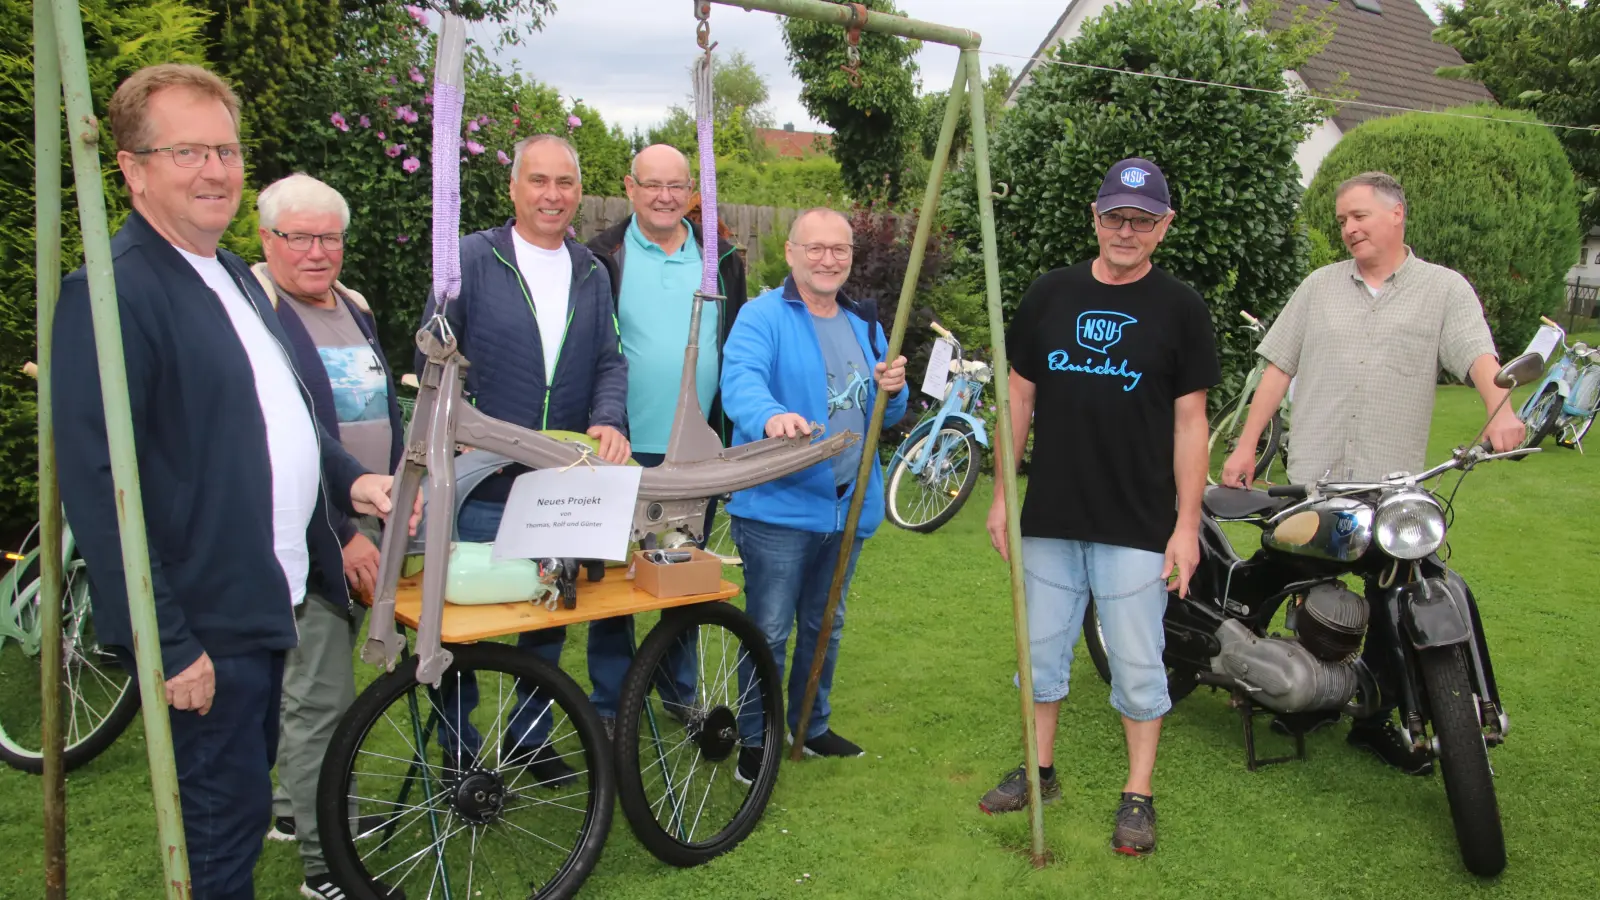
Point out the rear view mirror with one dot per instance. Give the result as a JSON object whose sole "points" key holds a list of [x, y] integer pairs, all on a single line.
{"points": [[1522, 370]]}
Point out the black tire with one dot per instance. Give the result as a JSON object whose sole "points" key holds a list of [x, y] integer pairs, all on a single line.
{"points": [[1180, 684], [901, 475], [369, 714], [1464, 760], [707, 747], [1541, 422], [102, 698], [1268, 446]]}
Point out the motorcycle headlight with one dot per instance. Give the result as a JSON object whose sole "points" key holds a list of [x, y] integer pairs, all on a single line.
{"points": [[1409, 524]]}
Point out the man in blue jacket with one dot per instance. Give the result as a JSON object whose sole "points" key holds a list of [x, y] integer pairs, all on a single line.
{"points": [[304, 224], [801, 354], [237, 476], [536, 321]]}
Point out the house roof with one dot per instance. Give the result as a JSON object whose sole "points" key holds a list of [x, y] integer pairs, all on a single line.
{"points": [[794, 144], [1390, 57]]}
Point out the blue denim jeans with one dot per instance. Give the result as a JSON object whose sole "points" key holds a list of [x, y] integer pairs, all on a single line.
{"points": [[224, 762], [787, 573], [1130, 597]]}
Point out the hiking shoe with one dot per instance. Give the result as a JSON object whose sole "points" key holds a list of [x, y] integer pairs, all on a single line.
{"points": [[1384, 741], [830, 744], [1011, 794], [1303, 723], [749, 768], [323, 887], [546, 766], [282, 829], [1135, 834]]}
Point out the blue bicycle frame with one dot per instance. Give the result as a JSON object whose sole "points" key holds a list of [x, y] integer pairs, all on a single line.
{"points": [[960, 400]]}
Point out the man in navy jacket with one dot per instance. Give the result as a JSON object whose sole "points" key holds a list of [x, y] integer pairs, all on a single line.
{"points": [[536, 321], [237, 477]]}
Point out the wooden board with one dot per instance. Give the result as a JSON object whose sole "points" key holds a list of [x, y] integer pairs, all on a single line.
{"points": [[614, 596]]}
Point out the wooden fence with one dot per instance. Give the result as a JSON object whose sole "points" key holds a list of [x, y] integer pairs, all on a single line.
{"points": [[747, 225]]}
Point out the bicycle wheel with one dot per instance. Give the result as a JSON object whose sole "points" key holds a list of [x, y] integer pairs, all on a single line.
{"points": [[923, 501], [467, 824], [691, 787], [101, 697], [720, 541], [1542, 418], [1225, 439]]}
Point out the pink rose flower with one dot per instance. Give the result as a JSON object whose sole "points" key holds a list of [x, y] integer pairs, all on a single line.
{"points": [[474, 147], [473, 125], [417, 76], [364, 122], [504, 159], [573, 121], [402, 238], [427, 98], [338, 122], [411, 164], [381, 136], [417, 13], [395, 150]]}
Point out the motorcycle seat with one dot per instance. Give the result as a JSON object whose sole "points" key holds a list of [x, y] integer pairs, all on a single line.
{"points": [[1230, 504]]}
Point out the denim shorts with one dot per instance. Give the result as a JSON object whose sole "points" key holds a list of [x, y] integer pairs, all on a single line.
{"points": [[1130, 596]]}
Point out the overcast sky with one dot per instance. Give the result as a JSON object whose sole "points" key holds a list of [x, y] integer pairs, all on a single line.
{"points": [[629, 58]]}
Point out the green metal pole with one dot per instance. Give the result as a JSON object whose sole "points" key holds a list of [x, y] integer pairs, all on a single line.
{"points": [[843, 15], [869, 451], [1006, 459], [47, 269], [83, 130]]}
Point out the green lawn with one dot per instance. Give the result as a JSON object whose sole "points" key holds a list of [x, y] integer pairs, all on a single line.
{"points": [[924, 683]]}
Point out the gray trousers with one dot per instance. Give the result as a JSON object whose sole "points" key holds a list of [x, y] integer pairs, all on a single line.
{"points": [[319, 684]]}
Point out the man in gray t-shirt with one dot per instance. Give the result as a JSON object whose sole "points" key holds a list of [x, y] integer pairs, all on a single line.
{"points": [[848, 378], [334, 338]]}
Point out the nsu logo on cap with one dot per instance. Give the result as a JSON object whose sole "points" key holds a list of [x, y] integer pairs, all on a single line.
{"points": [[1134, 177]]}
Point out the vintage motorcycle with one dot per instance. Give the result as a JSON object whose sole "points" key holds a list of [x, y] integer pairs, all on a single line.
{"points": [[1389, 532]]}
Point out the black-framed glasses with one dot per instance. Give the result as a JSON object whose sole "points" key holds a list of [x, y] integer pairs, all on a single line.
{"points": [[299, 241], [1113, 221], [677, 188], [841, 252], [193, 156]]}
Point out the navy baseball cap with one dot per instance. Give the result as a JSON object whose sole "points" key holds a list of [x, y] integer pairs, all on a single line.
{"points": [[1137, 183]]}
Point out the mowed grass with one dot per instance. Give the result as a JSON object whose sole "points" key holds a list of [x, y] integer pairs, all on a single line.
{"points": [[924, 683]]}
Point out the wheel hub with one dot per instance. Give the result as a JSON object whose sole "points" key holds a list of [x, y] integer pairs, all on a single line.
{"points": [[480, 797], [718, 735]]}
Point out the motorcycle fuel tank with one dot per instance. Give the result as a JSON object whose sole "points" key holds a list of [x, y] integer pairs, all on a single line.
{"points": [[1337, 529]]}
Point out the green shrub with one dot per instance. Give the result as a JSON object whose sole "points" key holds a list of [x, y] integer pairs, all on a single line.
{"points": [[1494, 200], [1322, 250], [795, 183], [1229, 157]]}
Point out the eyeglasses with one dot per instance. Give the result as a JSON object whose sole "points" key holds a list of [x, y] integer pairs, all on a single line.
{"points": [[1113, 221], [841, 252], [332, 242], [679, 188], [193, 156]]}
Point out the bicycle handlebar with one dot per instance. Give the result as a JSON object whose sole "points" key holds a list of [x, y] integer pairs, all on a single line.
{"points": [[941, 331], [31, 369]]}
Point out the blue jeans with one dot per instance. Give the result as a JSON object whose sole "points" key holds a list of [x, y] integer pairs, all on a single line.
{"points": [[1130, 596], [529, 722], [787, 573], [224, 759]]}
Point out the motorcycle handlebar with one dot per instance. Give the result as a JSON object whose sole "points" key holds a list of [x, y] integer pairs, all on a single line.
{"points": [[1297, 491]]}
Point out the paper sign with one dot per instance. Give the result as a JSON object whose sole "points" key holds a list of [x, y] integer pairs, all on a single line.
{"points": [[1545, 342], [938, 374], [585, 512]]}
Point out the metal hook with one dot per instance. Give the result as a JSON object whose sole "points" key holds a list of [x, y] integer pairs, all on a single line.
{"points": [[702, 31], [1004, 192], [852, 47]]}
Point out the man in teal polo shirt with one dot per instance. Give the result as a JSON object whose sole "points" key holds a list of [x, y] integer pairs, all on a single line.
{"points": [[655, 258]]}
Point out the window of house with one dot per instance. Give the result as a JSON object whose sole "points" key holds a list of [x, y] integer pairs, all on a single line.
{"points": [[1370, 6], [1583, 256]]}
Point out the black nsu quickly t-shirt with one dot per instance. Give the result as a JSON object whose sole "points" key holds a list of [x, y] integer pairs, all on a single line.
{"points": [[1108, 362]]}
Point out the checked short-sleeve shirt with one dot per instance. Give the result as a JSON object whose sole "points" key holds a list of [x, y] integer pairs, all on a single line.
{"points": [[1366, 365]]}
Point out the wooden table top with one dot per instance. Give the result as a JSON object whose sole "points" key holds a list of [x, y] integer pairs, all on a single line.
{"points": [[613, 596]]}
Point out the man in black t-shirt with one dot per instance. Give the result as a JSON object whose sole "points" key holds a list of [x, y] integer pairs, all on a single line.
{"points": [[1110, 361]]}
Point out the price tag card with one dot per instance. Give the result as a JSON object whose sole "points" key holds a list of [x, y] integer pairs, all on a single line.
{"points": [[585, 512], [938, 374], [1545, 341]]}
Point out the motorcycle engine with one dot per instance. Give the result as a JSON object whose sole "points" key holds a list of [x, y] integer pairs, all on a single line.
{"points": [[1281, 674], [1331, 621]]}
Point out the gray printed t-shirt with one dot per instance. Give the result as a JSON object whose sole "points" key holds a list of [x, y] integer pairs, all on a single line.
{"points": [[848, 378], [360, 390]]}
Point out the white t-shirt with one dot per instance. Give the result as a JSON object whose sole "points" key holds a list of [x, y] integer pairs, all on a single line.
{"points": [[548, 274], [291, 435]]}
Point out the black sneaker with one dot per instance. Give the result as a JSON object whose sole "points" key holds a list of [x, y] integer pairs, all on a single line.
{"points": [[1011, 794], [282, 829], [546, 766], [323, 887], [749, 768], [829, 743], [609, 723], [1304, 723], [1135, 834], [1385, 742]]}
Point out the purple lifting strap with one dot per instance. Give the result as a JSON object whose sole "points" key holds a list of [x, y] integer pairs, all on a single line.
{"points": [[448, 100], [708, 176]]}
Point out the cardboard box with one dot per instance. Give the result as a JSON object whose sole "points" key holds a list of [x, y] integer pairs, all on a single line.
{"points": [[700, 575]]}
